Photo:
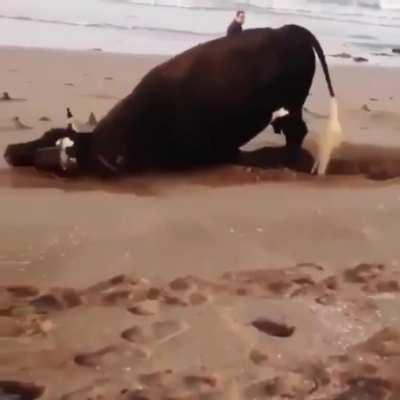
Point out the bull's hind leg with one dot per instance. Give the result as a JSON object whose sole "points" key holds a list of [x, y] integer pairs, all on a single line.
{"points": [[295, 130]]}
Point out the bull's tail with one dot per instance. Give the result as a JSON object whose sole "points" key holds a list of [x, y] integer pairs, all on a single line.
{"points": [[333, 136]]}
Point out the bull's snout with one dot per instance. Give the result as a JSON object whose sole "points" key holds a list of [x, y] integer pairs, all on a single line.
{"points": [[18, 155]]}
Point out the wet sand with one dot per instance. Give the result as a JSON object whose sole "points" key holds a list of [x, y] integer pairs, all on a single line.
{"points": [[233, 282]]}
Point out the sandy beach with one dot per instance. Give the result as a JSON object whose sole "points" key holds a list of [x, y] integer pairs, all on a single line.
{"points": [[234, 282]]}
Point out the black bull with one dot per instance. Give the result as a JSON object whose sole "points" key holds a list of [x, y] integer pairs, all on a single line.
{"points": [[203, 105]]}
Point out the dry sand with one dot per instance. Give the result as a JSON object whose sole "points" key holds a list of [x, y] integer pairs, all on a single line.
{"points": [[236, 282]]}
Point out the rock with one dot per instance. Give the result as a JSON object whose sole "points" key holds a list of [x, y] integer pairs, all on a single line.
{"points": [[365, 108], [6, 96], [92, 119], [373, 99], [19, 390], [360, 59], [382, 54], [341, 55], [396, 50], [273, 328], [44, 119]]}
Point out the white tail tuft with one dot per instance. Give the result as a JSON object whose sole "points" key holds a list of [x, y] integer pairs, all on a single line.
{"points": [[330, 140]]}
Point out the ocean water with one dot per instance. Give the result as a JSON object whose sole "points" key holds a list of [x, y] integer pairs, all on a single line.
{"points": [[360, 27]]}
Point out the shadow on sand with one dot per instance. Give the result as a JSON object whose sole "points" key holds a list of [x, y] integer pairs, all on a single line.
{"points": [[353, 164]]}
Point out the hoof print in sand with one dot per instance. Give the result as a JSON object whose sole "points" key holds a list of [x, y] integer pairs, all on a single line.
{"points": [[13, 390], [157, 332], [273, 328]]}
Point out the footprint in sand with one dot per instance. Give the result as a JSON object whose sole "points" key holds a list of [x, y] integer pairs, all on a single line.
{"points": [[274, 283], [100, 389], [155, 333], [117, 291], [175, 386], [188, 291], [366, 388], [113, 355], [286, 386], [373, 278], [57, 300], [10, 328], [145, 308], [22, 291]]}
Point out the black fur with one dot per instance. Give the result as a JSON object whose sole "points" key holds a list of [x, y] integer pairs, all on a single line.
{"points": [[206, 103]]}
